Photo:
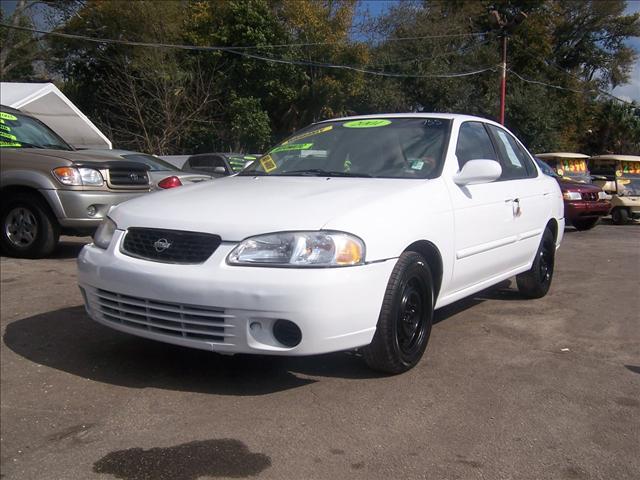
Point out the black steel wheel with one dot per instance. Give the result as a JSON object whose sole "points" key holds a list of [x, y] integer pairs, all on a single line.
{"points": [[29, 229], [405, 319], [535, 283]]}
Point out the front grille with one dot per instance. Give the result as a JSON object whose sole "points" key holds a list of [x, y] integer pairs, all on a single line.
{"points": [[173, 319], [170, 246], [591, 196], [128, 177]]}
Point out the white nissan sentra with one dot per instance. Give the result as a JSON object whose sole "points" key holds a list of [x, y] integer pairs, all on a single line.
{"points": [[346, 235]]}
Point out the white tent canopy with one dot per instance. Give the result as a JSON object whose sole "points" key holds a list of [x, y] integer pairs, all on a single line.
{"points": [[49, 105]]}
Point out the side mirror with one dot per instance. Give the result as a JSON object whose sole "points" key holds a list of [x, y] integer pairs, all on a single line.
{"points": [[219, 170], [478, 171]]}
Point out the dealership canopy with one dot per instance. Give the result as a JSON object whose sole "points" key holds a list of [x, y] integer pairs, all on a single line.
{"points": [[48, 104]]}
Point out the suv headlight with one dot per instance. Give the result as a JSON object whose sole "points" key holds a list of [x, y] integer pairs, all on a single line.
{"points": [[572, 196], [104, 233], [79, 176], [299, 249]]}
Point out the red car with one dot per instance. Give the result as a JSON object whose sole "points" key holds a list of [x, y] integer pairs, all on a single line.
{"points": [[584, 203]]}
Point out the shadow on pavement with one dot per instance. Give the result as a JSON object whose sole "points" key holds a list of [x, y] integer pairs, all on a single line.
{"points": [[69, 341]]}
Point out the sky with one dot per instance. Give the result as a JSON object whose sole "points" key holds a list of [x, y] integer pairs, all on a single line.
{"points": [[631, 90]]}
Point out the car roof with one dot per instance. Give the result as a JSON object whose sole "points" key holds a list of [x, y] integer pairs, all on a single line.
{"points": [[552, 155], [12, 110], [621, 158], [444, 116]]}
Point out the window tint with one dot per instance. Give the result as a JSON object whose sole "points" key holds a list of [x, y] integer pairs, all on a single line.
{"points": [[515, 161], [205, 161], [474, 144]]}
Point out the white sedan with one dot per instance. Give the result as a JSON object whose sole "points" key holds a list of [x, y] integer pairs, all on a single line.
{"points": [[346, 235]]}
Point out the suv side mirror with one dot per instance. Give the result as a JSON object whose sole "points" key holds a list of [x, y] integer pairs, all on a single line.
{"points": [[219, 170], [478, 171]]}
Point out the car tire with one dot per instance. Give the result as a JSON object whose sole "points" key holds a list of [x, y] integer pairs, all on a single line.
{"points": [[29, 229], [406, 317], [585, 223], [535, 282], [620, 216]]}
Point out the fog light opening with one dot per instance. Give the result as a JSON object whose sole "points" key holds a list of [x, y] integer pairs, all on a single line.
{"points": [[92, 210], [287, 333]]}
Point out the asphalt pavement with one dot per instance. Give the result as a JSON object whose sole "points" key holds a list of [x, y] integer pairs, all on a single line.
{"points": [[508, 389]]}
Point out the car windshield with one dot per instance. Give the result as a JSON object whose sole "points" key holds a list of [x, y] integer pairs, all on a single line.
{"points": [[629, 185], [155, 164], [574, 169], [238, 162], [546, 169], [379, 148], [22, 131]]}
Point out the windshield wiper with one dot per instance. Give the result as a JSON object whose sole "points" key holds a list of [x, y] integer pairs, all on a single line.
{"points": [[251, 174], [28, 145], [318, 172]]}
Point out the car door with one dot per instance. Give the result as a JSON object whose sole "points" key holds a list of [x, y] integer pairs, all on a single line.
{"points": [[483, 216], [530, 192]]}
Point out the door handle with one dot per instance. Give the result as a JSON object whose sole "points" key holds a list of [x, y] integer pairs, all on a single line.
{"points": [[517, 211]]}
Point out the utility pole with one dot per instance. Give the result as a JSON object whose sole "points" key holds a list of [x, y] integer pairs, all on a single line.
{"points": [[503, 78], [505, 27]]}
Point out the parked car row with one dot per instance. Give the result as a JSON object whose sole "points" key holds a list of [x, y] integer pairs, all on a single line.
{"points": [[49, 188], [596, 186]]}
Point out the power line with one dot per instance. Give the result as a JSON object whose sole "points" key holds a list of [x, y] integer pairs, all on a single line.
{"points": [[227, 48], [562, 70], [234, 51]]}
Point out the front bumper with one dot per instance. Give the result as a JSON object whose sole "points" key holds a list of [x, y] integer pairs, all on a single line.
{"points": [[584, 208], [335, 308], [70, 206]]}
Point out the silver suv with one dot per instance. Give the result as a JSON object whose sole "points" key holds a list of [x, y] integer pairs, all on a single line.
{"points": [[48, 188]]}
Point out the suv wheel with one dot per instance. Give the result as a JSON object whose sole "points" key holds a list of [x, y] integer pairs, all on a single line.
{"points": [[620, 216], [29, 230], [405, 319]]}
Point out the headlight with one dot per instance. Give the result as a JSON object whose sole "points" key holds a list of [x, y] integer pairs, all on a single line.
{"points": [[104, 233], [603, 196], [78, 176], [299, 249], [572, 196]]}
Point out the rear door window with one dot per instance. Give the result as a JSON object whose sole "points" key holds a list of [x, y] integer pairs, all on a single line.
{"points": [[514, 160]]}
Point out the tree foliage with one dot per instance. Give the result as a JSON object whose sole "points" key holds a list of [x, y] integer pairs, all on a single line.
{"points": [[165, 100]]}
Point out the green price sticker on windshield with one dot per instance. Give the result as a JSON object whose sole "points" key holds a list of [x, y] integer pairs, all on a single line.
{"points": [[9, 144], [5, 128], [8, 135], [293, 146], [367, 123], [7, 116]]}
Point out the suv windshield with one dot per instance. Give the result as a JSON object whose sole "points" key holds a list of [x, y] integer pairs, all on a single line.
{"points": [[155, 164], [22, 131], [629, 185], [380, 148]]}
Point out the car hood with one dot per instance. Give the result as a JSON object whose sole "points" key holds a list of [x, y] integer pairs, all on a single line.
{"points": [[567, 185], [238, 207], [76, 155]]}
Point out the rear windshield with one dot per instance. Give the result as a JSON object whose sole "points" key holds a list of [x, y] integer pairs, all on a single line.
{"points": [[22, 131], [379, 148]]}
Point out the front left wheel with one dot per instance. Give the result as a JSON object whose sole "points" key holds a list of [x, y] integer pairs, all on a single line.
{"points": [[29, 230], [405, 319]]}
